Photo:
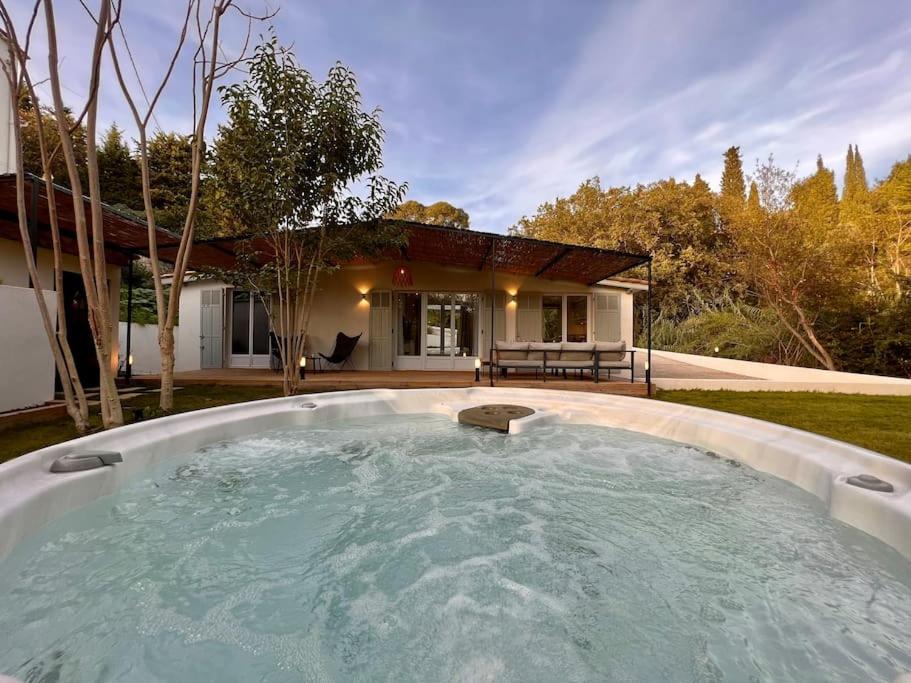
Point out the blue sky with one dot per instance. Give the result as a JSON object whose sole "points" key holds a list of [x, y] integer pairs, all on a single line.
{"points": [[500, 106]]}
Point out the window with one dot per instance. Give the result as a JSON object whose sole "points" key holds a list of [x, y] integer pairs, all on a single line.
{"points": [[552, 318], [260, 328], [576, 318], [409, 327]]}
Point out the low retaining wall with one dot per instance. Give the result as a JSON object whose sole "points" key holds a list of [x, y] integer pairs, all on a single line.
{"points": [[772, 377], [30, 496]]}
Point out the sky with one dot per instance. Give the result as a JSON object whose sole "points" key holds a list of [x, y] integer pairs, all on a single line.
{"points": [[498, 107]]}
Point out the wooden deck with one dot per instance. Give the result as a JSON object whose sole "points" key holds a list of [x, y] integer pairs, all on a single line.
{"points": [[341, 381]]}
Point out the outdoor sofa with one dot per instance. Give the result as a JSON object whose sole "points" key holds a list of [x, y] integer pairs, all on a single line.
{"points": [[579, 356]]}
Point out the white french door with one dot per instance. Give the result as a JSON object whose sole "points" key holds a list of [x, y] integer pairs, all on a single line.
{"points": [[436, 330], [250, 342]]}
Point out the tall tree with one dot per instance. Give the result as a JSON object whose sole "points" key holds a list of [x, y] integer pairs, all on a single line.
{"points": [[789, 256], [170, 171], [733, 184], [439, 213], [32, 116], [753, 200], [816, 199], [287, 163], [118, 171], [204, 24]]}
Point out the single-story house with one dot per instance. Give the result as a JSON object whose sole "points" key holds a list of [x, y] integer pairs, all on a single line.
{"points": [[424, 307]]}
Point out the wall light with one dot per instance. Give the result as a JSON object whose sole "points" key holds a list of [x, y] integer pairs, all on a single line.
{"points": [[363, 296]]}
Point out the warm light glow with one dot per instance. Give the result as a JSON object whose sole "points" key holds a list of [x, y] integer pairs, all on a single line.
{"points": [[646, 365], [303, 361], [130, 359], [477, 363], [717, 349]]}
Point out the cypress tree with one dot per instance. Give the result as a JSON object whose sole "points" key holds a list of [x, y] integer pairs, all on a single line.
{"points": [[733, 185], [118, 171], [860, 175], [753, 201], [847, 188]]}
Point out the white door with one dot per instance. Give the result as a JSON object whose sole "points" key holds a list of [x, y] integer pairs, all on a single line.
{"points": [[211, 329], [607, 316], [380, 330]]}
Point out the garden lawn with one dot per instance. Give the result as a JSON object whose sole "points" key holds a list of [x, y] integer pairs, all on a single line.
{"points": [[880, 423], [23, 439]]}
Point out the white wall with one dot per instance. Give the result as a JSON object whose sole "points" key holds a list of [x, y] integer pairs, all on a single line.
{"points": [[186, 336], [771, 377], [144, 347], [26, 364], [14, 273]]}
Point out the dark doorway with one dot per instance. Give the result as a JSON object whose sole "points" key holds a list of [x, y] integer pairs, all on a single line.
{"points": [[78, 332]]}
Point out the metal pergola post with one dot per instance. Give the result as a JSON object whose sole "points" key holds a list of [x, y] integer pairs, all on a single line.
{"points": [[129, 366], [648, 359]]}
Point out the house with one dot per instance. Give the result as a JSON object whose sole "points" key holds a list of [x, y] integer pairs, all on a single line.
{"points": [[424, 307]]}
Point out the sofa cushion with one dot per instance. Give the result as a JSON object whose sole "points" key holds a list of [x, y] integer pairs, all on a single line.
{"points": [[537, 350], [611, 351], [512, 350], [577, 351]]}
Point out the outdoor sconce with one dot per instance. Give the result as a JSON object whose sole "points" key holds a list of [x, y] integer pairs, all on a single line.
{"points": [[477, 369], [512, 298], [303, 366], [363, 296]]}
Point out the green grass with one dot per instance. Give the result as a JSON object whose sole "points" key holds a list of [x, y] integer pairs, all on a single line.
{"points": [[18, 440], [880, 423]]}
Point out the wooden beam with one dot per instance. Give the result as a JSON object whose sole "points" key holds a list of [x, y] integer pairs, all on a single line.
{"points": [[550, 264]]}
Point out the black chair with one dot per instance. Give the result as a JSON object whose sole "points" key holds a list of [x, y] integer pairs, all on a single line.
{"points": [[341, 354]]}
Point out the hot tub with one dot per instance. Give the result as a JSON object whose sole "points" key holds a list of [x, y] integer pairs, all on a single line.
{"points": [[369, 535]]}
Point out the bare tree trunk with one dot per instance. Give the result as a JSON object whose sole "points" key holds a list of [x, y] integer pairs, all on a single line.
{"points": [[17, 77], [206, 57]]}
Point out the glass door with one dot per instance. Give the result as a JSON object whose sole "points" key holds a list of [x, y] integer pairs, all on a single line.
{"points": [[250, 342], [436, 330]]}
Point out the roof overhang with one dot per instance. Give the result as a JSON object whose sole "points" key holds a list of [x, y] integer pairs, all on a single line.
{"points": [[124, 236], [468, 249]]}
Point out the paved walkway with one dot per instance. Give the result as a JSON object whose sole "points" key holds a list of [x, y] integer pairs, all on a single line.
{"points": [[665, 368]]}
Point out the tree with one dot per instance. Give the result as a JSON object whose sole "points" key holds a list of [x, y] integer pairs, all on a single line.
{"points": [[91, 249], [439, 213], [287, 163], [118, 172], [733, 185], [815, 199], [892, 199], [753, 200], [674, 221], [170, 171], [18, 80], [788, 254], [208, 64]]}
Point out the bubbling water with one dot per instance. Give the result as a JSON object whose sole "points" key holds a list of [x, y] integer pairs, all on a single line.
{"points": [[412, 548]]}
